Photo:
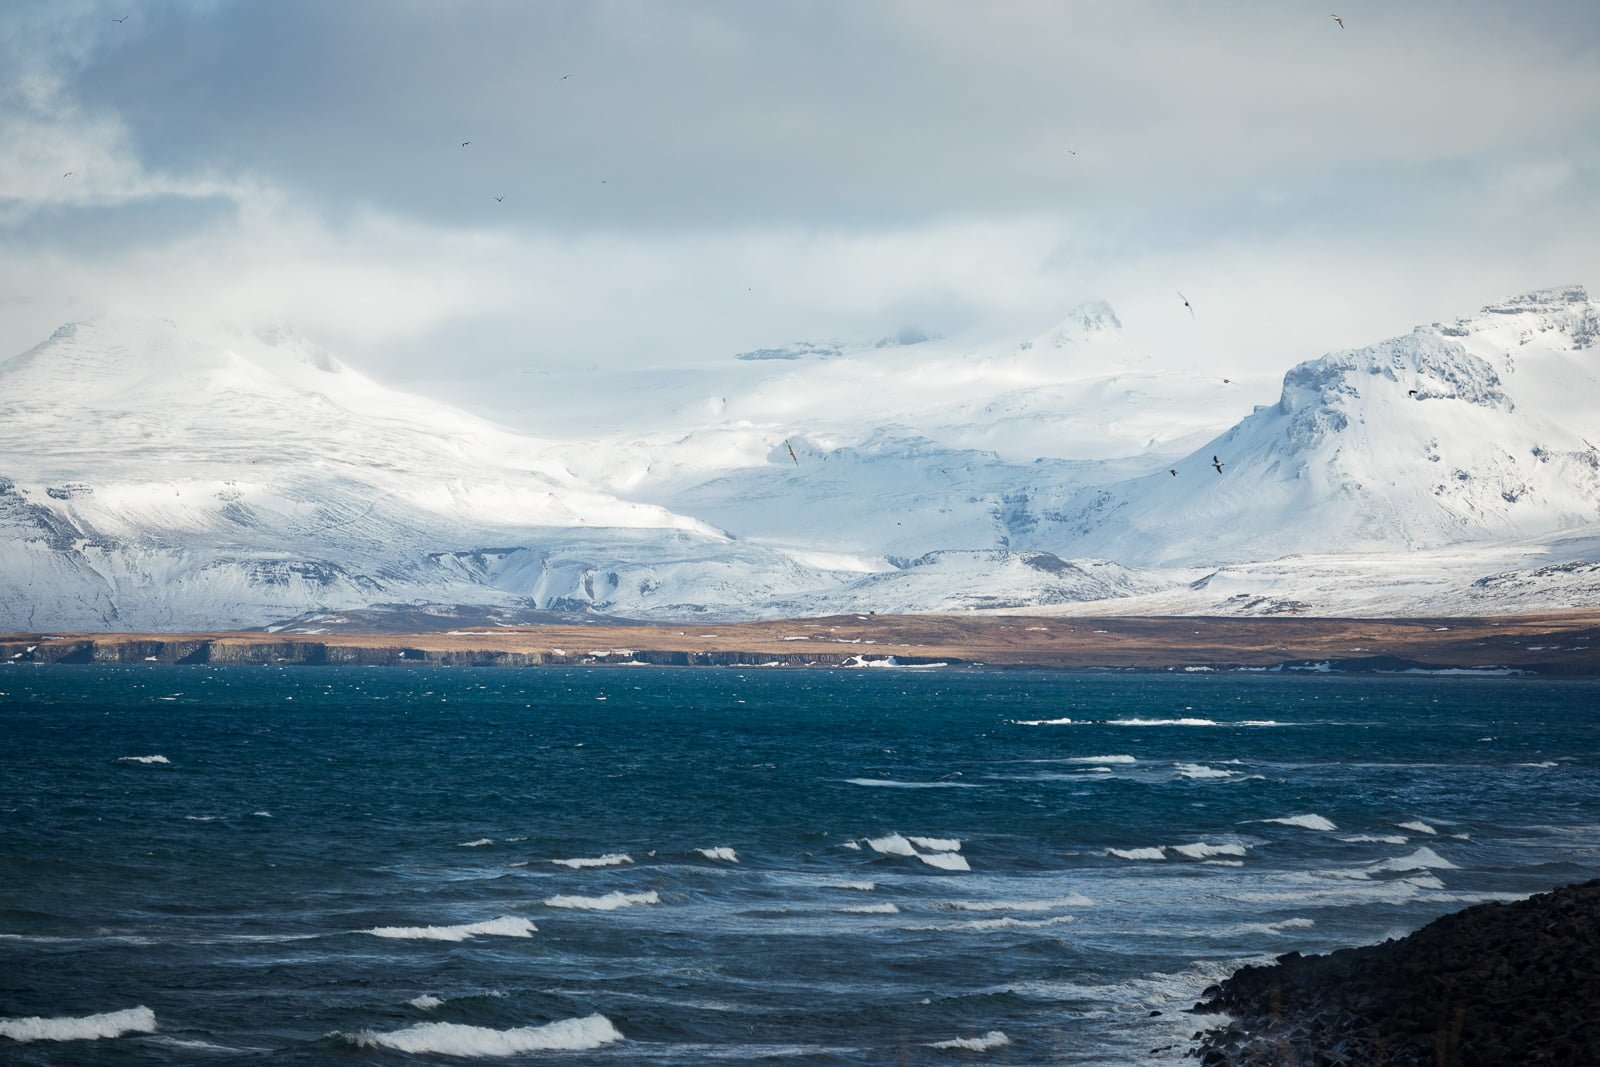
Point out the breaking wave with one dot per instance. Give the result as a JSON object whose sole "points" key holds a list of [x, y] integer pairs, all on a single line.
{"points": [[1200, 850], [1422, 859], [479, 843], [889, 783], [945, 861], [456, 1039], [993, 1039], [1376, 839], [1200, 770], [1041, 722], [143, 759], [504, 926], [1071, 900], [610, 859], [140, 1020], [1307, 822], [871, 909], [721, 852], [608, 902], [1418, 826], [426, 1002], [937, 844], [1156, 853]]}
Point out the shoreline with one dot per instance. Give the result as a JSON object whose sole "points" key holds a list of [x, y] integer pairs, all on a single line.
{"points": [[1492, 983], [1563, 645]]}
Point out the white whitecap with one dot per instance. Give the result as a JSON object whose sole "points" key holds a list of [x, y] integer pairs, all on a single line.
{"points": [[1423, 858], [937, 844], [610, 859], [1156, 853], [1041, 722], [426, 1002], [1200, 850], [1544, 763], [890, 783], [871, 909], [1418, 826], [992, 1040], [1099, 759], [945, 861], [1071, 900], [1307, 822], [479, 843], [864, 887], [140, 1020], [1200, 770], [608, 902], [891, 845], [721, 852], [1376, 839], [143, 759], [1161, 722], [856, 845], [457, 1039], [504, 926]]}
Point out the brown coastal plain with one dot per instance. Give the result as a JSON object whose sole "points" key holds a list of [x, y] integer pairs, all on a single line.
{"points": [[1558, 644]]}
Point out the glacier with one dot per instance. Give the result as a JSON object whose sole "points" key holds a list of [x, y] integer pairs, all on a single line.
{"points": [[163, 477]]}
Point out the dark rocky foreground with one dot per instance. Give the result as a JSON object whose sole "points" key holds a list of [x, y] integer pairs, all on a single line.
{"points": [[1492, 985]]}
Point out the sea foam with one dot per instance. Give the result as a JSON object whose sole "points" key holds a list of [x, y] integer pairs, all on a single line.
{"points": [[1200, 850], [504, 926], [720, 852], [610, 859], [1071, 900], [608, 902], [891, 845], [143, 759], [1308, 822], [937, 844], [1157, 853], [1422, 859], [456, 1039], [945, 861], [1200, 770], [993, 1039], [140, 1020], [871, 909]]}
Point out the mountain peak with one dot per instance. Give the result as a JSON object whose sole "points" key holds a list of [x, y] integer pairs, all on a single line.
{"points": [[1558, 298]]}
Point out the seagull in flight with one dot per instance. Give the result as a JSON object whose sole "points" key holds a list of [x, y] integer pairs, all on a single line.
{"points": [[1411, 392], [465, 143], [1337, 19], [1217, 463], [1173, 471], [1186, 303], [69, 174], [122, 19], [792, 456], [499, 199]]}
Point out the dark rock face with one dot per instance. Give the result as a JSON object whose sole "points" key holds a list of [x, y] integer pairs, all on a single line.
{"points": [[1493, 985]]}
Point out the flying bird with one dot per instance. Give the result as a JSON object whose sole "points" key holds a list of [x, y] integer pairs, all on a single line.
{"points": [[499, 199], [1337, 19], [1227, 381], [1186, 303], [465, 143], [564, 77], [792, 456], [69, 174], [122, 19], [1411, 392], [1173, 472], [1217, 463]]}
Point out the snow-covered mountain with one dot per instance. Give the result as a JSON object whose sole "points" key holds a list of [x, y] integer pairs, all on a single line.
{"points": [[1478, 430], [160, 477]]}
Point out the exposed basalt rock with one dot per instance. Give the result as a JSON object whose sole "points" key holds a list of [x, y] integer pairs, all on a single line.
{"points": [[1492, 985]]}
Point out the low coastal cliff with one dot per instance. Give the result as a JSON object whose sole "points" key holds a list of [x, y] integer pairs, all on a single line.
{"points": [[1492, 985]]}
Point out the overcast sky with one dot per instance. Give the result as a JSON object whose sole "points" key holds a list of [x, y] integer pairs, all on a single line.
{"points": [[684, 180]]}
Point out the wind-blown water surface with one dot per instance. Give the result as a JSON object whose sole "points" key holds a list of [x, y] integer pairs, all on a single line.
{"points": [[216, 865]]}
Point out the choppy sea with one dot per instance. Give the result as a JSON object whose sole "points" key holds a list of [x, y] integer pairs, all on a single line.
{"points": [[658, 866]]}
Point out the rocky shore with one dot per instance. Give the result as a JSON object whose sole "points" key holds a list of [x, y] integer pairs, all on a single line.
{"points": [[1492, 985]]}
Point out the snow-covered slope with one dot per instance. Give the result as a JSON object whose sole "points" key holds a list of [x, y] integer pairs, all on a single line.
{"points": [[158, 477], [152, 479], [1474, 431]]}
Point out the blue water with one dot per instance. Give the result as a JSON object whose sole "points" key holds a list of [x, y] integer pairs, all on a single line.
{"points": [[229, 896]]}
